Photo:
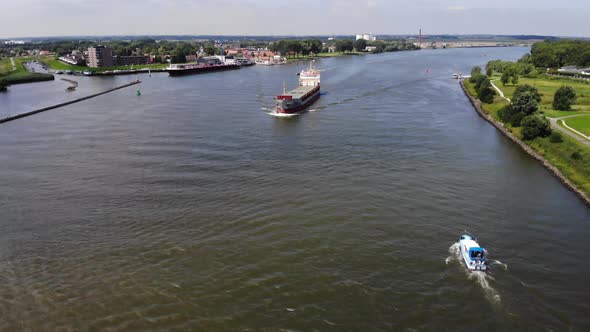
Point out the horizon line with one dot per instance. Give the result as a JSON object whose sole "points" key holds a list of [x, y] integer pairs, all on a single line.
{"points": [[282, 35]]}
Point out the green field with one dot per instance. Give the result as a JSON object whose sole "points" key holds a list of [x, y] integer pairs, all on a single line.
{"points": [[571, 157], [5, 66], [579, 123], [55, 64], [21, 74], [547, 86]]}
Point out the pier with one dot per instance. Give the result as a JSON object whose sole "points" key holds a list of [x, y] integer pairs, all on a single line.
{"points": [[22, 115]]}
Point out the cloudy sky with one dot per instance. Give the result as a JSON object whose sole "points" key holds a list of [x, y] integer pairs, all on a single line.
{"points": [[22, 18]]}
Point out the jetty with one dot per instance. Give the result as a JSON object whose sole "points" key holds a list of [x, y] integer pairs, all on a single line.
{"points": [[73, 84], [22, 115]]}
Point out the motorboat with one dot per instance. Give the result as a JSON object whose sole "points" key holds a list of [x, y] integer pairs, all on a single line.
{"points": [[473, 254]]}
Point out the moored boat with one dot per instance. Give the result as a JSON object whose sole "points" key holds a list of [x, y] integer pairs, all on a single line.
{"points": [[302, 96], [473, 254]]}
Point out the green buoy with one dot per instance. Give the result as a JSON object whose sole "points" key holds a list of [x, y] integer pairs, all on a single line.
{"points": [[138, 93]]}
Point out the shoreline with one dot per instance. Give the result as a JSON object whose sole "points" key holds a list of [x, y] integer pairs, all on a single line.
{"points": [[476, 103]]}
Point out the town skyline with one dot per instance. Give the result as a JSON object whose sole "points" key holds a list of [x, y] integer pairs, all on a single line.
{"points": [[296, 18]]}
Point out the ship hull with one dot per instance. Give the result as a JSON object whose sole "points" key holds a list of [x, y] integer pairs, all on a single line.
{"points": [[299, 105], [200, 70]]}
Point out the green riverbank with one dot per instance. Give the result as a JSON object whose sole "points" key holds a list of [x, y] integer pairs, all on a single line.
{"points": [[20, 74], [569, 157]]}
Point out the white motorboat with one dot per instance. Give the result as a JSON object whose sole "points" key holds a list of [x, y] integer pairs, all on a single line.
{"points": [[473, 255]]}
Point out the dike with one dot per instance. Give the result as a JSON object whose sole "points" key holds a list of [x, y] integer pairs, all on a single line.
{"points": [[500, 126]]}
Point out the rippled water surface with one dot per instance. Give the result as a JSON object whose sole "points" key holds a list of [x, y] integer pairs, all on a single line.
{"points": [[191, 208]]}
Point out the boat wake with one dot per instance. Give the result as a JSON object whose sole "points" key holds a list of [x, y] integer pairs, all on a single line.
{"points": [[455, 253], [283, 115], [498, 263], [482, 278]]}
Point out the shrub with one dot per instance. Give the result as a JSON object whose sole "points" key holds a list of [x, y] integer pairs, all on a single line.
{"points": [[555, 137], [576, 155], [564, 98]]}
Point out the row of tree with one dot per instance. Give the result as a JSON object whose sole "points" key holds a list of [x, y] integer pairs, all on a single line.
{"points": [[176, 49], [314, 46], [555, 54], [511, 71], [297, 47]]}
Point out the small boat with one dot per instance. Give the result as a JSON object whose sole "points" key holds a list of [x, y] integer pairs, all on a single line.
{"points": [[473, 255]]}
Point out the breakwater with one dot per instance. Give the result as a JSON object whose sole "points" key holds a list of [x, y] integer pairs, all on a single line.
{"points": [[500, 126], [22, 115]]}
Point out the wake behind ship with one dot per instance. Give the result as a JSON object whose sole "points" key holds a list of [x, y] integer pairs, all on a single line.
{"points": [[302, 96]]}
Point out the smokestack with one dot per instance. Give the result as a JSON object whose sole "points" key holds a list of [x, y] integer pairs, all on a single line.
{"points": [[420, 38]]}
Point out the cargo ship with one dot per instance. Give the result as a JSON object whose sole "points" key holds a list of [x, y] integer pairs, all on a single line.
{"points": [[186, 69], [301, 97]]}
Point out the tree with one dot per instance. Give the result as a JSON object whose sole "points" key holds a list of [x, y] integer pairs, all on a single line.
{"points": [[344, 45], [564, 98], [534, 126], [209, 49], [489, 71], [515, 79], [508, 115], [526, 103], [178, 56], [312, 46], [475, 71], [527, 88], [360, 45], [3, 85], [484, 90], [486, 94], [505, 78]]}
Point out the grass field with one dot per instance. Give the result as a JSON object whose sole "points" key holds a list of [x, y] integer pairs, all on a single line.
{"points": [[547, 86], [21, 74], [571, 157], [55, 64], [5, 66], [580, 123]]}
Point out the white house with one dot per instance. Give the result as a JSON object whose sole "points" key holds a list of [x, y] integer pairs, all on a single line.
{"points": [[366, 36]]}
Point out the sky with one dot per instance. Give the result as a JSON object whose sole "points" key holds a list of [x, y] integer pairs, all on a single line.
{"points": [[36, 18]]}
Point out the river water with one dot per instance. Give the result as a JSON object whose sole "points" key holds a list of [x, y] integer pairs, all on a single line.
{"points": [[190, 208]]}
